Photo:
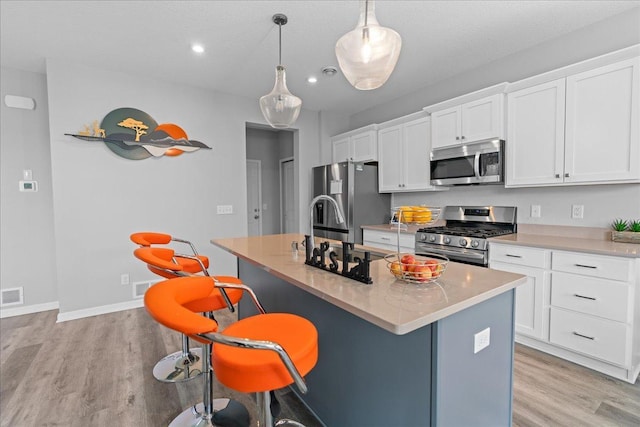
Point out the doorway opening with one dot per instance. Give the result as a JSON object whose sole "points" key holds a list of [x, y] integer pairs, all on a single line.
{"points": [[271, 183]]}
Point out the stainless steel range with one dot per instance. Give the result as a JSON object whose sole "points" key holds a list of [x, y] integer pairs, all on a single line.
{"points": [[464, 237]]}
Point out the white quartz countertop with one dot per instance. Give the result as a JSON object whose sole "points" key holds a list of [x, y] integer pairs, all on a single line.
{"points": [[592, 246], [391, 304], [578, 239]]}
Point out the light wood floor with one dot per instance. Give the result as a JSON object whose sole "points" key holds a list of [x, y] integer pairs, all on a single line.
{"points": [[97, 372]]}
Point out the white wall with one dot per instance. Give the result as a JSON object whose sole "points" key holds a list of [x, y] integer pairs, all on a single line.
{"points": [[100, 198], [602, 203], [27, 255]]}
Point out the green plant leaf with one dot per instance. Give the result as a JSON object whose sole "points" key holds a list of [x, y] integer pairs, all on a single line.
{"points": [[619, 225]]}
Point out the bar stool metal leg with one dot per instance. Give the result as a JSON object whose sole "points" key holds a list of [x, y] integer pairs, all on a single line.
{"points": [[212, 412], [180, 366]]}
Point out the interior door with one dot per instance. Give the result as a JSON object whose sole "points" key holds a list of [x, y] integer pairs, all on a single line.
{"points": [[288, 200], [254, 198]]}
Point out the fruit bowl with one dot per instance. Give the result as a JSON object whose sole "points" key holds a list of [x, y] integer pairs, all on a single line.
{"points": [[420, 215], [416, 268]]}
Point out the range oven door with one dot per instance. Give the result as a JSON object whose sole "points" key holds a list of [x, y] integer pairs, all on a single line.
{"points": [[463, 255]]}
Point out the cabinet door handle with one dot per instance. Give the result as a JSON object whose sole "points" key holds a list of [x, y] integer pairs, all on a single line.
{"points": [[585, 297], [583, 336], [566, 175], [462, 137], [585, 266], [457, 138], [557, 175], [513, 256]]}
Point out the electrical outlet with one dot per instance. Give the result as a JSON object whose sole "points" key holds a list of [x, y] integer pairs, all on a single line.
{"points": [[481, 340], [577, 211], [536, 211], [124, 279], [225, 209]]}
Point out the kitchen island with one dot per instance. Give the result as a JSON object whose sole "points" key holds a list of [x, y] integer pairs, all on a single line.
{"points": [[392, 353]]}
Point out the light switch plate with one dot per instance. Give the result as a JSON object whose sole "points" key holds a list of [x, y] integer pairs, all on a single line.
{"points": [[225, 209]]}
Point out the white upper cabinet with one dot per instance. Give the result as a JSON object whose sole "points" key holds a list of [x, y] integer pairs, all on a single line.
{"points": [[469, 122], [403, 157], [601, 139], [580, 129], [340, 149], [535, 137], [391, 165], [360, 145]]}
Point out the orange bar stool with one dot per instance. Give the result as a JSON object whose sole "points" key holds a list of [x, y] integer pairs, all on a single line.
{"points": [[185, 364], [192, 263], [257, 354]]}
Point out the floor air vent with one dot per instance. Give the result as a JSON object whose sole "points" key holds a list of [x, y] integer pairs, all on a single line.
{"points": [[11, 296], [139, 288]]}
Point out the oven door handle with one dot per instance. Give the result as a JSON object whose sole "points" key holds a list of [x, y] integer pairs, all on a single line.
{"points": [[462, 253], [476, 165]]}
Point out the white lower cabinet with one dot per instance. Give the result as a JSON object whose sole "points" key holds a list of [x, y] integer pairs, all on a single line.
{"points": [[388, 240], [579, 306], [589, 335], [532, 298]]}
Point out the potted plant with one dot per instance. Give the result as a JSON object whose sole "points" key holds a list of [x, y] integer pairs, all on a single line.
{"points": [[626, 231]]}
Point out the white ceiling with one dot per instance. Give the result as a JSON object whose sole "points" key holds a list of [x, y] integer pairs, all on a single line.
{"points": [[153, 38]]}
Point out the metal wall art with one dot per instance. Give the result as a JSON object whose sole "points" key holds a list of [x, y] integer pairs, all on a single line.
{"points": [[135, 135]]}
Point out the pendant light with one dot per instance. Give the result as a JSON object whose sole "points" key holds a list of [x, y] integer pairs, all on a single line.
{"points": [[368, 54], [279, 107]]}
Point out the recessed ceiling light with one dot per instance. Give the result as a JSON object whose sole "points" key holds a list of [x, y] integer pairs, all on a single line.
{"points": [[197, 48], [312, 79]]}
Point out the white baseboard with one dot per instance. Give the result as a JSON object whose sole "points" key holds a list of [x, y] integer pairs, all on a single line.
{"points": [[103, 309], [35, 308]]}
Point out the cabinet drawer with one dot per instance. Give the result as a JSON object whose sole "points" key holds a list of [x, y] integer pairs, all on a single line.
{"points": [[589, 295], [592, 265], [531, 257], [389, 238], [600, 338]]}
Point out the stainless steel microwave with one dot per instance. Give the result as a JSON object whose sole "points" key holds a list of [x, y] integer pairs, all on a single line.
{"points": [[480, 162]]}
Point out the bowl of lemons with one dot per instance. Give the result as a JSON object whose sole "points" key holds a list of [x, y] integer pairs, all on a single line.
{"points": [[419, 215]]}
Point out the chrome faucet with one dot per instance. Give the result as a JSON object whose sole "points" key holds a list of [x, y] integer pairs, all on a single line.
{"points": [[339, 216]]}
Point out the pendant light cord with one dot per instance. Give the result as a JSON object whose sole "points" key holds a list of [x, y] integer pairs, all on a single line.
{"points": [[280, 44], [366, 12]]}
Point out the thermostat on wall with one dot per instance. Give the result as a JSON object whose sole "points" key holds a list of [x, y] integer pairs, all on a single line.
{"points": [[31, 186]]}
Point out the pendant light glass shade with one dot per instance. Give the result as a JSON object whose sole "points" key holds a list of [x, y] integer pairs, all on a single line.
{"points": [[368, 54], [279, 107]]}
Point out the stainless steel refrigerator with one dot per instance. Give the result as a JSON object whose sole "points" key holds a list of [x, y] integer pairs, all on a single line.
{"points": [[354, 186]]}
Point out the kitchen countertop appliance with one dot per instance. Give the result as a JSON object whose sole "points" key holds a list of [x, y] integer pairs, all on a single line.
{"points": [[354, 186], [464, 237]]}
